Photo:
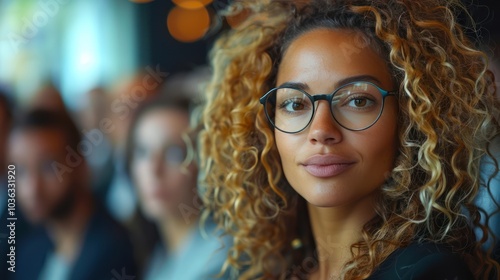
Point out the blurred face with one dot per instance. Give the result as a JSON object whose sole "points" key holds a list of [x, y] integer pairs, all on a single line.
{"points": [[163, 182], [42, 196], [327, 164]]}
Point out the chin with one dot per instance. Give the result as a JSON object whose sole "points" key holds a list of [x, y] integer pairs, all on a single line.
{"points": [[325, 202], [324, 195], [154, 213], [339, 199]]}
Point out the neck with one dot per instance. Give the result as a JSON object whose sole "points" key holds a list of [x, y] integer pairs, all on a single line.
{"points": [[335, 230], [174, 230], [67, 232]]}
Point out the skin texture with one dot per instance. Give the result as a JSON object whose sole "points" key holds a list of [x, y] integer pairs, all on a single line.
{"points": [[42, 196], [162, 186], [339, 202], [317, 60]]}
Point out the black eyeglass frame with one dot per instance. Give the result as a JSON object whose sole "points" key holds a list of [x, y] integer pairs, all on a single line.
{"points": [[329, 98]]}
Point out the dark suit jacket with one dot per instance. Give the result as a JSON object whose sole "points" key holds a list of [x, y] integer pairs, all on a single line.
{"points": [[423, 261], [106, 253]]}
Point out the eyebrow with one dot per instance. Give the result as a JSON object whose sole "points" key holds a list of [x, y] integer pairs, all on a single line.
{"points": [[341, 82], [360, 78], [297, 85]]}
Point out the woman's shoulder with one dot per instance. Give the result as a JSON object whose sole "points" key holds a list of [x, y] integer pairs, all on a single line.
{"points": [[423, 261]]}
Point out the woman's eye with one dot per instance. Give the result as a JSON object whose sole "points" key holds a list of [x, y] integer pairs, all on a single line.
{"points": [[293, 105], [360, 102], [174, 155]]}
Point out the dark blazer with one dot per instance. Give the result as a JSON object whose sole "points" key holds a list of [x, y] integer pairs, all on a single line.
{"points": [[106, 253], [423, 261]]}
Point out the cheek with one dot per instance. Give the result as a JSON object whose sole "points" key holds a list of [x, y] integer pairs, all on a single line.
{"points": [[52, 182], [288, 147], [379, 152], [139, 171], [379, 146], [54, 190], [179, 181], [24, 192], [284, 146], [384, 131]]}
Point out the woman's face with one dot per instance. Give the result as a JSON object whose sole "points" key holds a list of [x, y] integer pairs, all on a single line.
{"points": [[327, 164], [164, 186]]}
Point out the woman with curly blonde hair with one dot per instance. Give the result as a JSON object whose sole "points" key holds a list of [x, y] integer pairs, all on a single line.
{"points": [[342, 140]]}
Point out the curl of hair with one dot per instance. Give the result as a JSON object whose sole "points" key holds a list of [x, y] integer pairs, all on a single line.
{"points": [[446, 122]]}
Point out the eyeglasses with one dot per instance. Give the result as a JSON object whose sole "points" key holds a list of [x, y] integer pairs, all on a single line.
{"points": [[355, 106], [173, 154]]}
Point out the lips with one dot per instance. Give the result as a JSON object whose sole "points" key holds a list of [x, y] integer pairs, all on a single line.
{"points": [[325, 166]]}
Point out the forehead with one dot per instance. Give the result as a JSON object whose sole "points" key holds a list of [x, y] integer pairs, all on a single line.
{"points": [[36, 143], [331, 55], [161, 124]]}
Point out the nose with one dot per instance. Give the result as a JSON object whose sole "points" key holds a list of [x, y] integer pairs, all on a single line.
{"points": [[323, 128], [156, 165]]}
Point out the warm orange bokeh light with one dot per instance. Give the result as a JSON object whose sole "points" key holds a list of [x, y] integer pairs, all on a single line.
{"points": [[188, 25], [192, 4]]}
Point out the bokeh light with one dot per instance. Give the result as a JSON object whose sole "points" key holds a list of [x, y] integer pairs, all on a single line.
{"points": [[188, 25], [192, 4]]}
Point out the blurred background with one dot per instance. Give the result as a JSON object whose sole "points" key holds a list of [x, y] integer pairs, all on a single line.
{"points": [[78, 45]]}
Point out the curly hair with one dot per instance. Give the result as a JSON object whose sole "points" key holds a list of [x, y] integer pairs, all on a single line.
{"points": [[447, 118]]}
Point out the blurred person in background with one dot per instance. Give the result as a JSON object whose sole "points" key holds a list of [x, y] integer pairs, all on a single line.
{"points": [[5, 120], [125, 96], [93, 117], [161, 164], [6, 111], [48, 97], [76, 238]]}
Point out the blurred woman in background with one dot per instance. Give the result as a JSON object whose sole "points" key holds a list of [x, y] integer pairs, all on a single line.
{"points": [[162, 165]]}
